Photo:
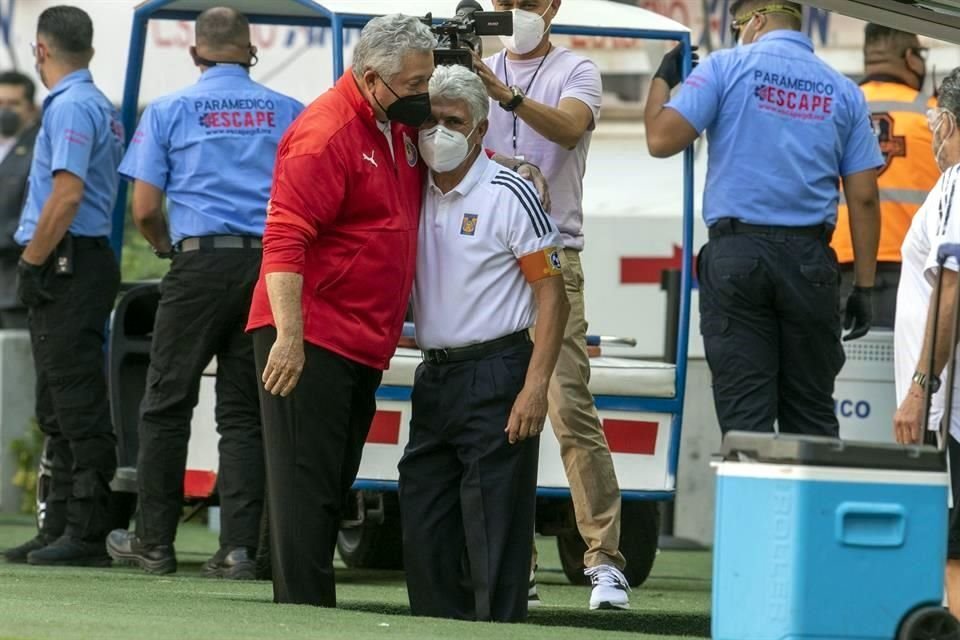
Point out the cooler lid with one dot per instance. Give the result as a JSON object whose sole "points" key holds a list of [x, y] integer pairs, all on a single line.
{"points": [[769, 448]]}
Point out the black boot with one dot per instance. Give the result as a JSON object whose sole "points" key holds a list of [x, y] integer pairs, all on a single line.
{"points": [[125, 547], [235, 563], [66, 551], [19, 554]]}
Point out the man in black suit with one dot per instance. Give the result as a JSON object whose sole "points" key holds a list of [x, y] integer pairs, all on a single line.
{"points": [[19, 123]]}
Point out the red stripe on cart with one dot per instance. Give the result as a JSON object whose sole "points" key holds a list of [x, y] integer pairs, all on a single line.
{"points": [[385, 428], [631, 436], [199, 484]]}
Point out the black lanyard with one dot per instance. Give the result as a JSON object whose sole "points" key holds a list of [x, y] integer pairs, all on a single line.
{"points": [[506, 80]]}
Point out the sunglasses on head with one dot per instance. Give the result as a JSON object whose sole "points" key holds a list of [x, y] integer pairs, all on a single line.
{"points": [[737, 24]]}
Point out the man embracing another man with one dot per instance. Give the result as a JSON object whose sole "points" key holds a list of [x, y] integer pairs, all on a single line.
{"points": [[488, 269]]}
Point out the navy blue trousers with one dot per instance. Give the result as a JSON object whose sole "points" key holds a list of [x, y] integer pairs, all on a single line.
{"points": [[467, 496], [769, 315]]}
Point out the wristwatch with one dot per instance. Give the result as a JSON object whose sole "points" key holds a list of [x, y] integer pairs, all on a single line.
{"points": [[164, 255], [922, 380], [515, 101]]}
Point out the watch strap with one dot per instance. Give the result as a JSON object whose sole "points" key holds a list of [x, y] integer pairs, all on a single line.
{"points": [[923, 381], [515, 101]]}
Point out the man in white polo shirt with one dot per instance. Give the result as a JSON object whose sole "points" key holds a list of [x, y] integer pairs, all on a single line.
{"points": [[936, 223], [489, 265], [545, 102]]}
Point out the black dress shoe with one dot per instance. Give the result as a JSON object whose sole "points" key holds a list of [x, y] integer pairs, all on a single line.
{"points": [[125, 547], [232, 564], [66, 551], [19, 554]]}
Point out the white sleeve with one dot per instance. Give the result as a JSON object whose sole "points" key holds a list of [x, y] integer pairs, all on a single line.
{"points": [[528, 227], [944, 222]]}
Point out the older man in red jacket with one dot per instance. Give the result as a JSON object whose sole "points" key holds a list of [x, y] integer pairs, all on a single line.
{"points": [[339, 253]]}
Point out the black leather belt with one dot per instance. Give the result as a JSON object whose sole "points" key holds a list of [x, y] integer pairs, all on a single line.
{"points": [[476, 351], [210, 243], [85, 242], [732, 226]]}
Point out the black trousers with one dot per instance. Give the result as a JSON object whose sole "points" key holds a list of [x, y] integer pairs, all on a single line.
{"points": [[467, 496], [313, 440], [204, 301], [884, 296], [67, 336], [769, 315]]}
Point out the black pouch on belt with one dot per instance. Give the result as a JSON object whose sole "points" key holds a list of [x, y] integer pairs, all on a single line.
{"points": [[63, 257]]}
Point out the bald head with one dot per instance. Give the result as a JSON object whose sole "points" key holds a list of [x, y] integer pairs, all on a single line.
{"points": [[881, 44], [892, 52], [221, 27], [223, 36]]}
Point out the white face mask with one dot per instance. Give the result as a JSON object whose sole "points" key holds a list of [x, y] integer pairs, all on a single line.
{"points": [[444, 150], [935, 119], [528, 30]]}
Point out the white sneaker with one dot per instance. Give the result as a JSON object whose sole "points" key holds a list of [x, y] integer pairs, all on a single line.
{"points": [[533, 598], [610, 588]]}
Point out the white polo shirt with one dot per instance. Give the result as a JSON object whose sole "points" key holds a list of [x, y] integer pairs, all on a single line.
{"points": [[479, 246], [936, 222]]}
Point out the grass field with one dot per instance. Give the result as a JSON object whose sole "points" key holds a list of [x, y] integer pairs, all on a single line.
{"points": [[126, 604]]}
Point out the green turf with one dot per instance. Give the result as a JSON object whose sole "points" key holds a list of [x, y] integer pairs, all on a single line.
{"points": [[125, 604]]}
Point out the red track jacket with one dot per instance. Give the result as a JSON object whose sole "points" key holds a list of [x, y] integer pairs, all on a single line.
{"points": [[344, 214]]}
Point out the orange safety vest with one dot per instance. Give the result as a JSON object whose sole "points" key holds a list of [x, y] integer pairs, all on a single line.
{"points": [[910, 172]]}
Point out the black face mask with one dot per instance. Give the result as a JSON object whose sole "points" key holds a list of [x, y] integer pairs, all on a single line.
{"points": [[9, 123], [409, 110]]}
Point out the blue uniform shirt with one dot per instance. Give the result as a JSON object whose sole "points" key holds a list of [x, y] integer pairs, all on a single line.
{"points": [[782, 128], [80, 132], [211, 147]]}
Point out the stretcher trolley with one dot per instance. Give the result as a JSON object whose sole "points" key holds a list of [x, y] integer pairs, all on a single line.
{"points": [[833, 539], [640, 402]]}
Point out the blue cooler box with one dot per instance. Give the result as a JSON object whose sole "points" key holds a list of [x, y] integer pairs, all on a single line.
{"points": [[818, 538]]}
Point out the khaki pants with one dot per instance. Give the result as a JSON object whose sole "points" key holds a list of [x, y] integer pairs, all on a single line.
{"points": [[583, 446]]}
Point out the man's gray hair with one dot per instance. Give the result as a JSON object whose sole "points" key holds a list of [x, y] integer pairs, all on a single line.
{"points": [[459, 83], [948, 96], [386, 40]]}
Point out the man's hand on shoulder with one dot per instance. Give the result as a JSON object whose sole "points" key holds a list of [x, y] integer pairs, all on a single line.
{"points": [[532, 173]]}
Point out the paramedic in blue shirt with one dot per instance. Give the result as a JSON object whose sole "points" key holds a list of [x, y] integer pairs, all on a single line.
{"points": [[783, 130], [68, 278], [210, 149]]}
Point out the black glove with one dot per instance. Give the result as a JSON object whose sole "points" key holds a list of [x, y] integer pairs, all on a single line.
{"points": [[859, 313], [671, 68], [30, 290]]}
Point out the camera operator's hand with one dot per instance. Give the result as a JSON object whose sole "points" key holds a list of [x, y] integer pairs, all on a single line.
{"points": [[30, 289], [496, 88]]}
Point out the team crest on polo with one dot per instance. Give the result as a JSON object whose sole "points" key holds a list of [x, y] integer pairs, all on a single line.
{"points": [[411, 150], [469, 225]]}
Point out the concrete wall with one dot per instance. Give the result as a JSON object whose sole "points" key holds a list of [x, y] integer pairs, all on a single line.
{"points": [[17, 381]]}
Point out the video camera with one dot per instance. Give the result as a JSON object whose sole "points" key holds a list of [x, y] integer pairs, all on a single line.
{"points": [[460, 36]]}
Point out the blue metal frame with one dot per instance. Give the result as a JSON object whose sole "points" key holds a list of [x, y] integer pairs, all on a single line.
{"points": [[390, 486], [155, 9]]}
